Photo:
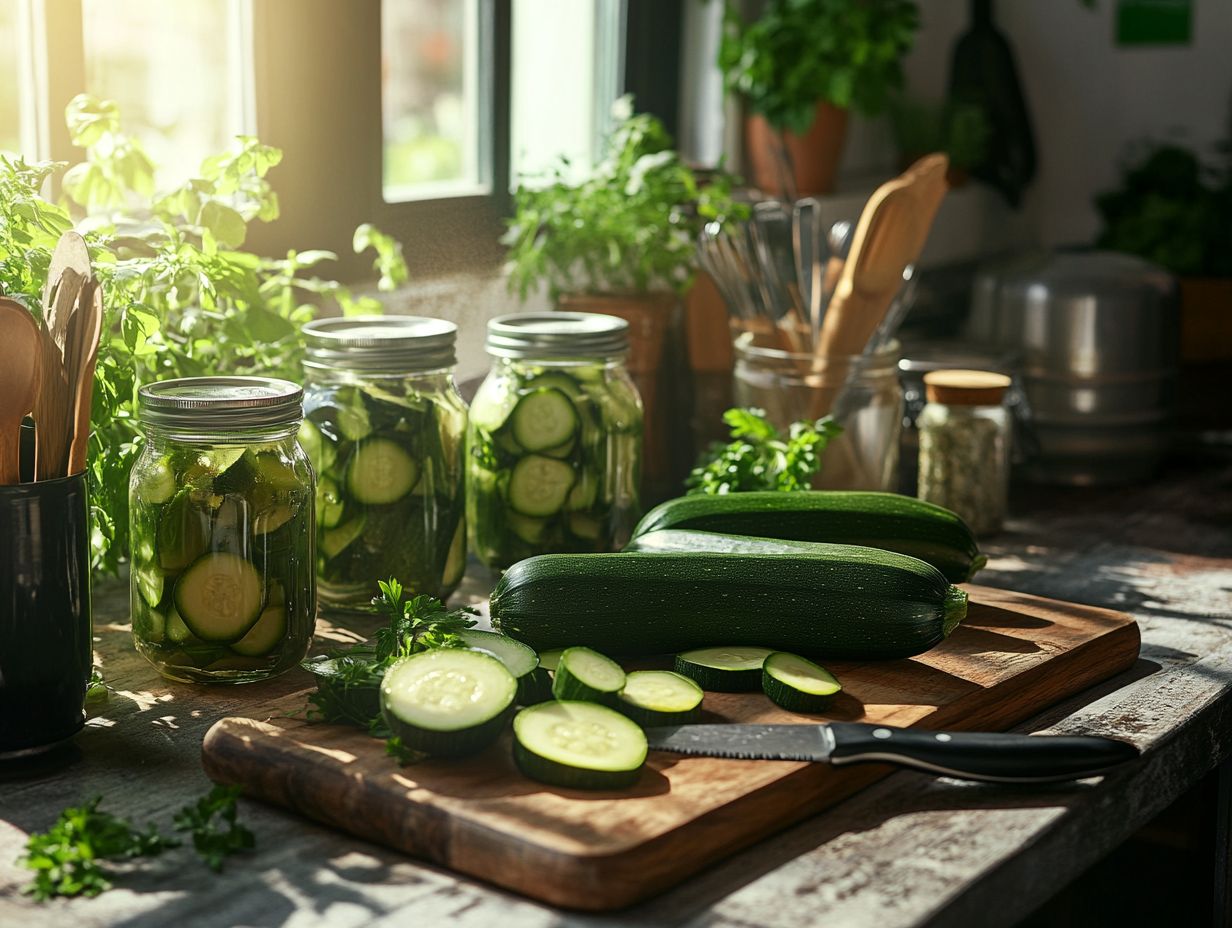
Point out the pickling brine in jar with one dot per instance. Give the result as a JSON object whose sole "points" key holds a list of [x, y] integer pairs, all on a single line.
{"points": [[385, 428], [555, 439], [221, 515]]}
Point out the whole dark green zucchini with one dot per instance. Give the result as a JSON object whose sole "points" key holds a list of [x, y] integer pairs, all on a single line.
{"points": [[851, 517], [838, 601]]}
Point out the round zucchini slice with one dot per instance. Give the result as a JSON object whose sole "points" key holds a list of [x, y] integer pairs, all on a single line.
{"points": [[724, 670], [797, 684], [267, 634], [660, 697], [381, 471], [588, 676], [219, 597], [544, 419], [539, 485], [578, 745], [447, 701]]}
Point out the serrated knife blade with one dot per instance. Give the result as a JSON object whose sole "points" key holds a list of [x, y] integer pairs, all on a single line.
{"points": [[995, 757]]}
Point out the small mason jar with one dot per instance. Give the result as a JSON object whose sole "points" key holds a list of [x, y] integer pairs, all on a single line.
{"points": [[863, 393], [220, 503], [965, 446], [385, 428], [555, 439]]}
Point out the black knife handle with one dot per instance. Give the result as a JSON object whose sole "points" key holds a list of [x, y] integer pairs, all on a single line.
{"points": [[999, 758]]}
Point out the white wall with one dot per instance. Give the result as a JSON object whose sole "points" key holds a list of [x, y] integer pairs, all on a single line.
{"points": [[1090, 98]]}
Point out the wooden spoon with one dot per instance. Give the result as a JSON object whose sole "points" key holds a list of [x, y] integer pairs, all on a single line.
{"points": [[70, 254], [20, 352], [890, 235], [85, 328]]}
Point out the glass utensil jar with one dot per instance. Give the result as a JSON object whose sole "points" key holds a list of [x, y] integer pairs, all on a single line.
{"points": [[220, 503], [555, 439], [792, 387], [385, 429], [965, 446]]}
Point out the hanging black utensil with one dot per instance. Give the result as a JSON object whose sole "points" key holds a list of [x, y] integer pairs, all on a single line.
{"points": [[983, 75]]}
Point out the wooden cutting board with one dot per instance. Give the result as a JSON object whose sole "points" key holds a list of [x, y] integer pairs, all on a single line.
{"points": [[1014, 656]]}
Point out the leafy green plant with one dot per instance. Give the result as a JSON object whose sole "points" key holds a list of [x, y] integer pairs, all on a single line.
{"points": [[798, 53], [760, 457], [1173, 210], [629, 226], [212, 822], [181, 297]]}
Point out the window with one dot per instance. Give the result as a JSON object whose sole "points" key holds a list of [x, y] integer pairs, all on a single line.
{"points": [[10, 77], [433, 99], [182, 86]]}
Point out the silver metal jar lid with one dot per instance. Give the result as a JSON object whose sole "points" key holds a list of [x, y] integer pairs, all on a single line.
{"points": [[203, 405], [385, 344], [557, 335]]}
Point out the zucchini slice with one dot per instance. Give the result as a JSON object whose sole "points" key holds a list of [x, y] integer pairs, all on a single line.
{"points": [[539, 485], [219, 597], [724, 670], [330, 504], [534, 685], [455, 562], [578, 745], [797, 684], [336, 540], [447, 701], [587, 676], [267, 634], [550, 660], [381, 472], [176, 630], [543, 419], [660, 697]]}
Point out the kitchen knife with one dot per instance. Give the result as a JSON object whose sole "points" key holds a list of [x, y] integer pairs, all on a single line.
{"points": [[998, 758]]}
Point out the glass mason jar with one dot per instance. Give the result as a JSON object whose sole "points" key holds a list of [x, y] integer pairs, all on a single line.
{"points": [[965, 446], [862, 393], [221, 502], [384, 426], [555, 439]]}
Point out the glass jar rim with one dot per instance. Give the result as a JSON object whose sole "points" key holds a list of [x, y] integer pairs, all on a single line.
{"points": [[557, 335], [887, 354], [380, 344], [217, 405]]}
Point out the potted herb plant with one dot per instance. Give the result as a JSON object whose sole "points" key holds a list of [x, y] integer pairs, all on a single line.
{"points": [[801, 67], [620, 240]]}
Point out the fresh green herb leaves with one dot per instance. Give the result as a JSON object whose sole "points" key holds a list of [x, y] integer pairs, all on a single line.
{"points": [[626, 224], [67, 859], [762, 458], [349, 679], [212, 823], [400, 752]]}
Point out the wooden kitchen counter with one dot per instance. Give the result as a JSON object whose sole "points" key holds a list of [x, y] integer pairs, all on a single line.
{"points": [[910, 850]]}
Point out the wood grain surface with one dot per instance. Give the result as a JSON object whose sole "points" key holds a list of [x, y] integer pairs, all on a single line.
{"points": [[1015, 655]]}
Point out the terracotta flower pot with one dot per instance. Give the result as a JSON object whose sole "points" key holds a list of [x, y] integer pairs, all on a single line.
{"points": [[814, 155], [651, 317]]}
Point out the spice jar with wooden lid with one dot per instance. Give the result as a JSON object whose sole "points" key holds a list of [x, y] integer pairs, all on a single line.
{"points": [[965, 446]]}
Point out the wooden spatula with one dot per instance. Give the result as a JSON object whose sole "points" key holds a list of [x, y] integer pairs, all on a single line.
{"points": [[890, 235], [85, 327], [20, 355]]}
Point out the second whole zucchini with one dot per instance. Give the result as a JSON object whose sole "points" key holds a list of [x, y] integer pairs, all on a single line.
{"points": [[851, 517], [839, 601]]}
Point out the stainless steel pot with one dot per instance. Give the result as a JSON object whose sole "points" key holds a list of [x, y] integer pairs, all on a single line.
{"points": [[1098, 335]]}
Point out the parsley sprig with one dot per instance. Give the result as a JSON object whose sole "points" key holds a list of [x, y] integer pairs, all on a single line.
{"points": [[68, 858], [760, 457]]}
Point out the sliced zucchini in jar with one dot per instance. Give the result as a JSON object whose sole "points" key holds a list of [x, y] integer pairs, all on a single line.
{"points": [[447, 701], [588, 676], [149, 625], [660, 697], [330, 505], [584, 491], [724, 670], [320, 452], [543, 419], [578, 745], [455, 563], [585, 526], [560, 452], [266, 634], [352, 419], [219, 597], [177, 631], [149, 580], [157, 484], [539, 485], [183, 532], [380, 472], [797, 684], [529, 530], [555, 380], [336, 540]]}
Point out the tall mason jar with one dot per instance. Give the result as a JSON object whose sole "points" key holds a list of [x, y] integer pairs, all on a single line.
{"points": [[221, 514], [862, 392], [385, 426], [555, 439]]}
